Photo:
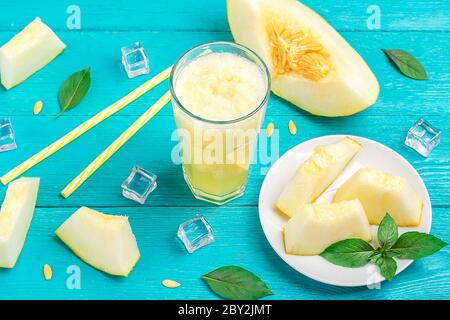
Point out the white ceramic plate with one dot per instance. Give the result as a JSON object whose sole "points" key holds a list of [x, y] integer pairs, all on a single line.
{"points": [[373, 154]]}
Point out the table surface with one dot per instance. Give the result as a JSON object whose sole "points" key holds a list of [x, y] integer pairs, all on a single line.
{"points": [[167, 29]]}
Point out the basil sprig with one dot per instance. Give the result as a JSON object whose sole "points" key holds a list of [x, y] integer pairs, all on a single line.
{"points": [[407, 64], [350, 253], [355, 253], [236, 283], [73, 89]]}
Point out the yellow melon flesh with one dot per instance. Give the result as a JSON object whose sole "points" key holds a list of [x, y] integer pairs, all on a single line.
{"points": [[104, 241], [311, 65], [316, 174], [381, 193], [29, 51], [317, 226], [15, 218]]}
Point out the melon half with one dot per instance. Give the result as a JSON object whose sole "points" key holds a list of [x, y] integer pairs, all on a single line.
{"points": [[311, 65]]}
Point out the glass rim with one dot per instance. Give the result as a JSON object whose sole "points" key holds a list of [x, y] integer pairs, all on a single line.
{"points": [[232, 44]]}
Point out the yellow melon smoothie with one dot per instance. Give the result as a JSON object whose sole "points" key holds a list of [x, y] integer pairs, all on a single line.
{"points": [[219, 96]]}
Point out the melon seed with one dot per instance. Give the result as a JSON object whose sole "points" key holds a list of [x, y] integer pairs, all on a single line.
{"points": [[37, 107], [47, 272], [269, 129], [298, 51], [292, 128], [171, 284]]}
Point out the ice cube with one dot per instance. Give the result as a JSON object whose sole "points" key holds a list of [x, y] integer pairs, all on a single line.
{"points": [[423, 137], [7, 140], [139, 185], [135, 60], [195, 233]]}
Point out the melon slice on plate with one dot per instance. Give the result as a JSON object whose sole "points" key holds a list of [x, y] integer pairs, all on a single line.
{"points": [[311, 65], [380, 193], [316, 174], [15, 218], [104, 241], [29, 51], [317, 226]]}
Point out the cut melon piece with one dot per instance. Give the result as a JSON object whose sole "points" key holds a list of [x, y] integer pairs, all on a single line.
{"points": [[311, 65], [104, 241], [29, 51], [317, 226], [15, 218], [316, 174], [381, 193]]}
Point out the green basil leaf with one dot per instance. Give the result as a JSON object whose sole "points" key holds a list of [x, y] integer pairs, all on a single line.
{"points": [[378, 253], [387, 232], [236, 283], [73, 89], [387, 267], [415, 245], [407, 64], [350, 253]]}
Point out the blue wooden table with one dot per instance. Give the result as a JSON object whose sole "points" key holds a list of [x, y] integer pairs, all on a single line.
{"points": [[167, 29]]}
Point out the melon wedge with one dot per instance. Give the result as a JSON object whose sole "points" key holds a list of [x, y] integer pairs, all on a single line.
{"points": [[311, 65], [104, 241], [316, 174], [380, 193], [15, 218], [29, 51], [317, 226]]}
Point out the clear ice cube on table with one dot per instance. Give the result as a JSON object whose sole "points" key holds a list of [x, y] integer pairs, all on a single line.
{"points": [[139, 185], [7, 140], [134, 60], [195, 233], [423, 137]]}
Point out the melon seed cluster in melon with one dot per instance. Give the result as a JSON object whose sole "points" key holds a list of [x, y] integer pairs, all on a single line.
{"points": [[311, 65]]}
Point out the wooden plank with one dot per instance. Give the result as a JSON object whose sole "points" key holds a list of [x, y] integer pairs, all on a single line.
{"points": [[399, 95], [152, 148], [201, 15], [239, 241]]}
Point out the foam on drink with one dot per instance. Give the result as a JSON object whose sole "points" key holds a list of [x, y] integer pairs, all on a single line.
{"points": [[221, 86]]}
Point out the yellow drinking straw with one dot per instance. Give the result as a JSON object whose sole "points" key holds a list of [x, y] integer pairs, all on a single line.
{"points": [[85, 126], [119, 142]]}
